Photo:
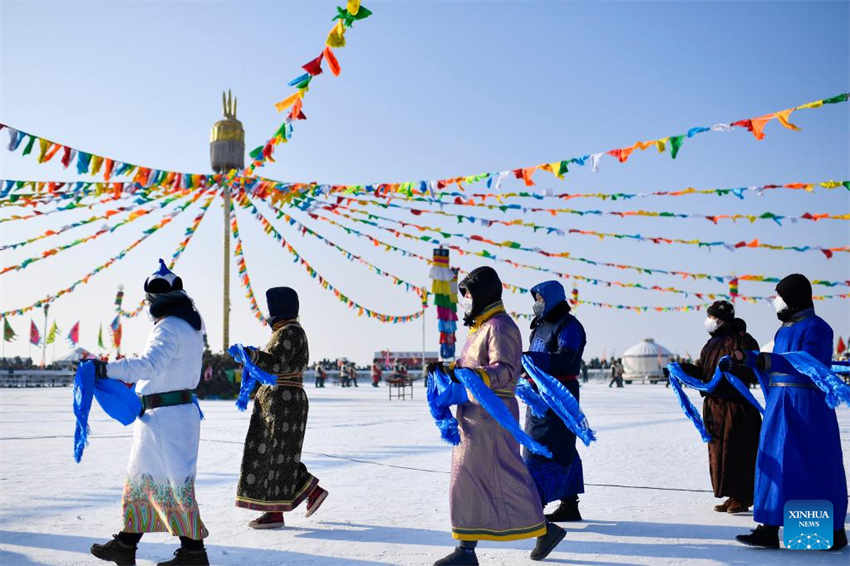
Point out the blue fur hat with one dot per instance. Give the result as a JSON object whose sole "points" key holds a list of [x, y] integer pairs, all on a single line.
{"points": [[552, 292]]}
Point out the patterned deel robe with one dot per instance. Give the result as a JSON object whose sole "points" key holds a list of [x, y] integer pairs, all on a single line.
{"points": [[273, 477], [492, 495], [159, 493]]}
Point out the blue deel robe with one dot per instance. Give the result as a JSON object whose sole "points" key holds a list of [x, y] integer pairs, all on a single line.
{"points": [[562, 476], [799, 453]]}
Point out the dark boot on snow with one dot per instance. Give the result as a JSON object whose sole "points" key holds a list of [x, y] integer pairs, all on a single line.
{"points": [[763, 535], [566, 512], [548, 542], [460, 557], [121, 553], [185, 557]]}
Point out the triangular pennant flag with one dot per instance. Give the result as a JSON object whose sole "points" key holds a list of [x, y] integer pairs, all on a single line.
{"points": [[35, 337], [8, 333], [288, 101], [783, 116], [74, 334], [100, 336], [758, 125], [51, 334], [333, 64], [336, 37], [314, 67]]}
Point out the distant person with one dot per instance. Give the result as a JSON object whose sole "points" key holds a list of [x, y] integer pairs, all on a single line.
{"points": [[584, 372], [352, 374], [273, 478], [616, 373], [376, 374], [321, 375]]}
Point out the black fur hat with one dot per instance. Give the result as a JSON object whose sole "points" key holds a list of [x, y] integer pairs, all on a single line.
{"points": [[485, 288]]}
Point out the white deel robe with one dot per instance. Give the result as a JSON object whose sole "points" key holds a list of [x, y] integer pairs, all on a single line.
{"points": [[159, 493]]}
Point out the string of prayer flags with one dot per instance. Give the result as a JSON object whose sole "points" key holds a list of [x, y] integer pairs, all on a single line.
{"points": [[111, 261], [323, 282]]}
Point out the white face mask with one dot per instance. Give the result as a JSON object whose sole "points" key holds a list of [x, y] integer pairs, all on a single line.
{"points": [[711, 324], [538, 307], [464, 304], [779, 304]]}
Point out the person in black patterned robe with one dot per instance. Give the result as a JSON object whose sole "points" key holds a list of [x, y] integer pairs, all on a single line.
{"points": [[273, 478]]}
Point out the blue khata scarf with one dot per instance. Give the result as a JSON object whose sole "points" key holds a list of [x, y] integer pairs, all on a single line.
{"points": [[443, 392], [553, 395], [251, 374], [804, 364], [116, 399], [678, 377]]}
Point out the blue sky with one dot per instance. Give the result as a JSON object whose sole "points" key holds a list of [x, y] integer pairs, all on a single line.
{"points": [[432, 90]]}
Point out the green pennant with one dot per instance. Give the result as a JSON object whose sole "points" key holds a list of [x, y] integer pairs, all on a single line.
{"points": [[835, 99], [675, 144], [562, 168], [30, 143], [8, 333]]}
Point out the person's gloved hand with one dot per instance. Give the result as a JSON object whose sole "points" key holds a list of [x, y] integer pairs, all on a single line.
{"points": [[433, 366], [763, 361], [666, 372], [99, 369]]}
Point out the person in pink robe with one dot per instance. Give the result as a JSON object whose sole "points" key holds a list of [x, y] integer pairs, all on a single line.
{"points": [[492, 495]]}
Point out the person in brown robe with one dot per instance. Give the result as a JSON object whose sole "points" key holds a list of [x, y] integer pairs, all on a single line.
{"points": [[273, 478], [733, 423]]}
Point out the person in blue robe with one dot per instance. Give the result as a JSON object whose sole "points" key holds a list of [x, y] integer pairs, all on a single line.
{"points": [[799, 453], [557, 344]]}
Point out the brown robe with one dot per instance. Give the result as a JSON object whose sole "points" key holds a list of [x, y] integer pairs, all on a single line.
{"points": [[733, 423]]}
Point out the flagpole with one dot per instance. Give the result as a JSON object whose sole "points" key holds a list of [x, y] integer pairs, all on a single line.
{"points": [[44, 339]]}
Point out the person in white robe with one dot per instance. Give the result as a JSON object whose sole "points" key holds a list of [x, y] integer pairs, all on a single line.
{"points": [[159, 492]]}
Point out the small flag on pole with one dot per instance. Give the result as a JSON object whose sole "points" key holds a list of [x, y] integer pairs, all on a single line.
{"points": [[100, 336], [51, 334], [839, 349], [74, 334], [35, 337], [8, 333]]}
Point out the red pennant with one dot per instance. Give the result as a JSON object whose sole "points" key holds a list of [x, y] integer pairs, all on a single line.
{"points": [[314, 67], [66, 156]]}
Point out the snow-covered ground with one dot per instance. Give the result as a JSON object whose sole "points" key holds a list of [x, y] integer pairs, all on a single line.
{"points": [[647, 500]]}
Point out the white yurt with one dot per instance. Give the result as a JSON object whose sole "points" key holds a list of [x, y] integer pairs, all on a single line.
{"points": [[644, 361], [69, 358]]}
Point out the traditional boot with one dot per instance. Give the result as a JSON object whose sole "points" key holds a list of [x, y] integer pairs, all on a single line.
{"points": [[566, 512], [121, 553], [315, 500], [839, 539], [723, 507], [763, 535], [737, 506], [186, 557], [271, 520], [548, 542], [462, 556]]}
